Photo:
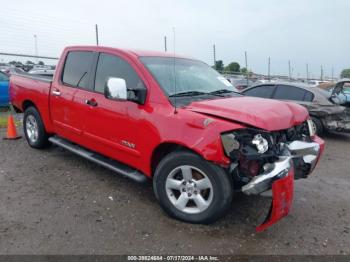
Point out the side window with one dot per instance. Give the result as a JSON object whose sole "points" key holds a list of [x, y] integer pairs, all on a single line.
{"points": [[3, 77], [77, 68], [261, 91], [286, 92], [113, 66], [309, 97]]}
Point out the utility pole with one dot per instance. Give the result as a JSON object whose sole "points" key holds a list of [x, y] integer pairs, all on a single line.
{"points": [[36, 46], [321, 73], [307, 72], [268, 71], [246, 66], [214, 53], [96, 31], [165, 44], [290, 77]]}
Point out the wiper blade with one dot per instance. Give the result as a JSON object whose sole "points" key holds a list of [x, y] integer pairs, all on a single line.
{"points": [[189, 93], [222, 91]]}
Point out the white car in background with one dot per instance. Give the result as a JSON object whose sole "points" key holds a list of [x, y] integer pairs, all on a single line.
{"points": [[314, 83]]}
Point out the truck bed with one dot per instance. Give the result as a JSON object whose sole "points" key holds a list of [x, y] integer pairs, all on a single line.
{"points": [[44, 78], [27, 90]]}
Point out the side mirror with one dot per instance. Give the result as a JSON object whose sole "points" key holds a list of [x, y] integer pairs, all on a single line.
{"points": [[116, 89]]}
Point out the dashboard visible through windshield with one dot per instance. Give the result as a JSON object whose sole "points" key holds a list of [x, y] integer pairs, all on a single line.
{"points": [[193, 78]]}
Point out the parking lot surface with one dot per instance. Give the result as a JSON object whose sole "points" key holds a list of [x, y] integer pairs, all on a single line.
{"points": [[53, 202]]}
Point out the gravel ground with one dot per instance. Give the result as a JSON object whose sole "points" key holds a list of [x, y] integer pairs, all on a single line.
{"points": [[53, 202]]}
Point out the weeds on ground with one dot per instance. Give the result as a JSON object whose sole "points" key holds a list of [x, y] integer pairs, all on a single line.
{"points": [[4, 112], [3, 120]]}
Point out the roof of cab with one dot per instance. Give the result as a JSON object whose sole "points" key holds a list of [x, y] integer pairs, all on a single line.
{"points": [[137, 53]]}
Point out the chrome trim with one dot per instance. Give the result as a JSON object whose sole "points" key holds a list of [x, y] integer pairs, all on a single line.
{"points": [[264, 181], [56, 93], [309, 151]]}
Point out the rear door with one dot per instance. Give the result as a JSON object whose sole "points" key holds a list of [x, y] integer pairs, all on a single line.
{"points": [[4, 89], [293, 93], [68, 119]]}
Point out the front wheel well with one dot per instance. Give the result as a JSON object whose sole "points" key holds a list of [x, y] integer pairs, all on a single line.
{"points": [[164, 149]]}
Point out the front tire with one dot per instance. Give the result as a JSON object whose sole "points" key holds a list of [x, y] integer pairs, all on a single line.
{"points": [[34, 129], [192, 189]]}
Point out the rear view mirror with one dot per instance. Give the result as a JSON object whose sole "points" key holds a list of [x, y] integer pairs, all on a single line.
{"points": [[116, 89]]}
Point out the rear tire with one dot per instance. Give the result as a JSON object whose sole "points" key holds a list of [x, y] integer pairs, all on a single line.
{"points": [[318, 126], [34, 129], [192, 189]]}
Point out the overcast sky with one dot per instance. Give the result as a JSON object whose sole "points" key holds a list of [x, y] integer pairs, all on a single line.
{"points": [[313, 31]]}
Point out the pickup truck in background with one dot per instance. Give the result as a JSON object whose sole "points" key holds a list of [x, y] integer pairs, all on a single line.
{"points": [[174, 120]]}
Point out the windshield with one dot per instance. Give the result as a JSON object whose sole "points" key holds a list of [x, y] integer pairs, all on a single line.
{"points": [[192, 77], [346, 88]]}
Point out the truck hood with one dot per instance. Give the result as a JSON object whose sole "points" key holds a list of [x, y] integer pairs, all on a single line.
{"points": [[262, 113]]}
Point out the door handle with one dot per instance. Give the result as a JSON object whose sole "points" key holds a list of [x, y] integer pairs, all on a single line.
{"points": [[56, 92], [91, 102]]}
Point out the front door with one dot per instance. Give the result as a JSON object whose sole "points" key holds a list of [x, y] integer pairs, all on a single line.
{"points": [[112, 126]]}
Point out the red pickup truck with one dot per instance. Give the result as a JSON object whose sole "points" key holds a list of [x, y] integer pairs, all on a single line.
{"points": [[174, 120]]}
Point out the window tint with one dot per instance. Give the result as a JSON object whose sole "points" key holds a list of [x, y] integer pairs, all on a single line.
{"points": [[308, 96], [113, 66], [286, 92], [261, 91], [3, 77], [77, 68]]}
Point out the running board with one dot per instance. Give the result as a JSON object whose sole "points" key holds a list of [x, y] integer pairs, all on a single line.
{"points": [[99, 159]]}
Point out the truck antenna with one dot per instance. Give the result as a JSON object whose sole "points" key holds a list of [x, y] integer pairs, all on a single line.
{"points": [[174, 71]]}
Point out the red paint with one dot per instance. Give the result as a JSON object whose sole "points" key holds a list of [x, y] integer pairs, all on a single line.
{"points": [[282, 199], [267, 114], [103, 127], [319, 141], [198, 126]]}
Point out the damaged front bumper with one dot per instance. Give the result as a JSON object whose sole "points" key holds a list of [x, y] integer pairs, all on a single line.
{"points": [[335, 124], [299, 160], [337, 119]]}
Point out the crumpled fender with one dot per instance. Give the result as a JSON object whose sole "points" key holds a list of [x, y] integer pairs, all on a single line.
{"points": [[282, 199]]}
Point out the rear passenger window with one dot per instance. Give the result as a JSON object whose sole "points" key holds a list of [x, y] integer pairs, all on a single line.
{"points": [[286, 92], [309, 97], [76, 70], [113, 66], [261, 91]]}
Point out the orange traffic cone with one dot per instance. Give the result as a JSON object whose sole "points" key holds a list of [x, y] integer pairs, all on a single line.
{"points": [[11, 129]]}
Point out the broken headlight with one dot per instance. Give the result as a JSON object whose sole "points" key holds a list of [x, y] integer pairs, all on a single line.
{"points": [[229, 143], [246, 140], [261, 143]]}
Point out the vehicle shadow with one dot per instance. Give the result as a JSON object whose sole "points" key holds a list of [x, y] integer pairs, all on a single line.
{"points": [[337, 136], [245, 212]]}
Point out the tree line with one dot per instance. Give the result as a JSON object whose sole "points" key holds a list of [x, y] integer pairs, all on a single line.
{"points": [[235, 67], [345, 73], [19, 63]]}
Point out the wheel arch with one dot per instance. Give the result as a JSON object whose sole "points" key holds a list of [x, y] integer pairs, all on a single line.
{"points": [[29, 103], [163, 150]]}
